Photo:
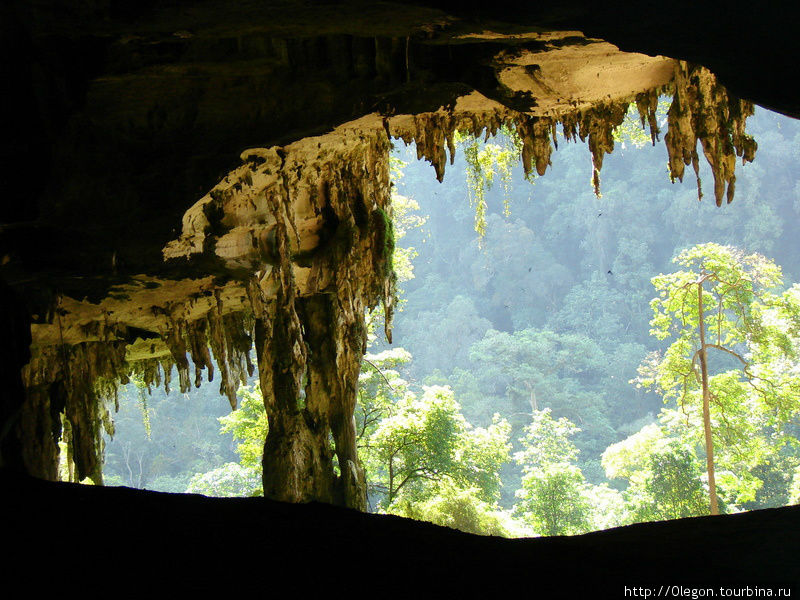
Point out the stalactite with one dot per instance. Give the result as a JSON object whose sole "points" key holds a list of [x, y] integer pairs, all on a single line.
{"points": [[230, 340], [535, 132], [433, 133], [598, 124], [703, 111], [647, 105], [228, 337], [80, 380], [76, 380]]}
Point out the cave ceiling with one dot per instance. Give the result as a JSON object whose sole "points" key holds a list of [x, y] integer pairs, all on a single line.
{"points": [[183, 165]]}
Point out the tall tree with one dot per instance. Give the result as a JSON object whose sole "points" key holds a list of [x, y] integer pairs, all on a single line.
{"points": [[713, 309]]}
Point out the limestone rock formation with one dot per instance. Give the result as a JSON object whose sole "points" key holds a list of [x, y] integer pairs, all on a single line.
{"points": [[288, 250]]}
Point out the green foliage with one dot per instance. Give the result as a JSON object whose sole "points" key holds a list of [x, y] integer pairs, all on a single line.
{"points": [[541, 368], [734, 292], [776, 475], [143, 408], [567, 264], [388, 241], [229, 480], [609, 508], [457, 508], [405, 218], [547, 441], [592, 308], [629, 459], [379, 386], [530, 360], [485, 163], [673, 486], [180, 437], [248, 425], [458, 324], [794, 491], [663, 475], [554, 495], [516, 272], [751, 332], [425, 440], [553, 500]]}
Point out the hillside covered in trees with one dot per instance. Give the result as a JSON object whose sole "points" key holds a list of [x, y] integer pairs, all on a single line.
{"points": [[562, 361]]}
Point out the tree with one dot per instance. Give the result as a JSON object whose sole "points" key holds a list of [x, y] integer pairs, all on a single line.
{"points": [[457, 322], [459, 508], [405, 217], [554, 495], [162, 440], [794, 490], [517, 273], [718, 303], [229, 480], [536, 363], [553, 500], [248, 426], [541, 368], [663, 475], [425, 441], [591, 308], [379, 387]]}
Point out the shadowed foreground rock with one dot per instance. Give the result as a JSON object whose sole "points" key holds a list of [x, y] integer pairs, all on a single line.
{"points": [[118, 539]]}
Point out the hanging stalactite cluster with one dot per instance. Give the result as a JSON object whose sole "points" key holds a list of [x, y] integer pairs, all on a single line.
{"points": [[72, 381], [701, 111], [226, 336], [434, 133], [70, 387]]}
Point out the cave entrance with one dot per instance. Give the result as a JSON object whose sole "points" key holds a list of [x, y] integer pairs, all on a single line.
{"points": [[546, 308]]}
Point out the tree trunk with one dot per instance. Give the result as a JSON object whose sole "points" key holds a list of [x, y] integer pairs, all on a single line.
{"points": [[712, 486], [532, 397]]}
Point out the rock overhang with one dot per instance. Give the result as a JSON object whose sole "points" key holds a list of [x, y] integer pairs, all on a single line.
{"points": [[163, 209]]}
